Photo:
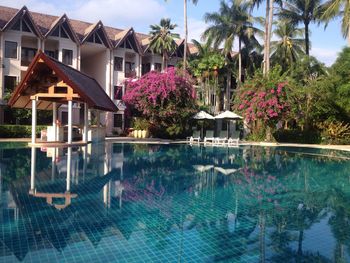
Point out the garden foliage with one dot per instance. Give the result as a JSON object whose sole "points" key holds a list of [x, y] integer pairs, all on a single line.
{"points": [[166, 100]]}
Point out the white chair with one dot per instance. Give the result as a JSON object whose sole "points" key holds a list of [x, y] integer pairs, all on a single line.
{"points": [[209, 136], [222, 138], [195, 137], [234, 140]]}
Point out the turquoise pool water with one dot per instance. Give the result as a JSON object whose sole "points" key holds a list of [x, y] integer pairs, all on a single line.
{"points": [[174, 203]]}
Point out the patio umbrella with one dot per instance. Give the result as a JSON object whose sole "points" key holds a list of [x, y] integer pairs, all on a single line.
{"points": [[202, 115], [228, 115]]}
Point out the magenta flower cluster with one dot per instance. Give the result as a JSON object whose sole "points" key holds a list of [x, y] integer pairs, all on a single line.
{"points": [[161, 94], [267, 104]]}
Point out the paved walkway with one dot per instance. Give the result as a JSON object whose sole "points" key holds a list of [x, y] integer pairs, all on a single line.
{"points": [[166, 141]]}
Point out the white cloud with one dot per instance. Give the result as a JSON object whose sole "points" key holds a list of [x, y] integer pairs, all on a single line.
{"points": [[327, 56], [118, 13]]}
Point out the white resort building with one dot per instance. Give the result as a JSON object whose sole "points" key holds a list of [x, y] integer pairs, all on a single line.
{"points": [[107, 54]]}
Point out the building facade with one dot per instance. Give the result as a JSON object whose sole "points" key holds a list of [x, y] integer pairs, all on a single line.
{"points": [[109, 55]]}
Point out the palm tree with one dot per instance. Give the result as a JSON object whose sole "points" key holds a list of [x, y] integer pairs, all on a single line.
{"points": [[302, 11], [230, 22], [334, 8], [186, 31], [162, 39], [289, 44]]}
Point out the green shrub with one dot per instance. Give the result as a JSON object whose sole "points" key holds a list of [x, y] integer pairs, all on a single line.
{"points": [[18, 131], [297, 136]]}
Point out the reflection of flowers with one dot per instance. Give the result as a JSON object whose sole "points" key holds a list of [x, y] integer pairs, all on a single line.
{"points": [[259, 186]]}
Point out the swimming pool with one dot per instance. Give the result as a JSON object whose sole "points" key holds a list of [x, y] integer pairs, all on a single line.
{"points": [[174, 203]]}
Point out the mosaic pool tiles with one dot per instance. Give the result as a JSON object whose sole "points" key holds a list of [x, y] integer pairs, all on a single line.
{"points": [[162, 203]]}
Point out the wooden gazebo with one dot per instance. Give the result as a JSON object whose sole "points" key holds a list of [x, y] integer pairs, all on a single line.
{"points": [[49, 83]]}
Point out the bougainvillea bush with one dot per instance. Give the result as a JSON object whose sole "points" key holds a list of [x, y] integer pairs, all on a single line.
{"points": [[167, 100], [263, 100]]}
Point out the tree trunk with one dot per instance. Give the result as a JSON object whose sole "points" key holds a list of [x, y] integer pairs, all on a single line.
{"points": [[349, 36], [163, 62], [307, 43], [266, 35], [239, 62], [186, 35], [269, 36]]}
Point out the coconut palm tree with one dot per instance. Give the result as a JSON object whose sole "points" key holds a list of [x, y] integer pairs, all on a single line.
{"points": [[162, 39], [289, 45], [335, 8], [186, 31], [302, 12], [230, 22]]}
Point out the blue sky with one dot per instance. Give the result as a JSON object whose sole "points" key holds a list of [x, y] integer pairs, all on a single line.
{"points": [[141, 13]]}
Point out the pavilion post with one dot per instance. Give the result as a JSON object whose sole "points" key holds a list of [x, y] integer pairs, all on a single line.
{"points": [[69, 168], [54, 120], [86, 122], [33, 121], [70, 121]]}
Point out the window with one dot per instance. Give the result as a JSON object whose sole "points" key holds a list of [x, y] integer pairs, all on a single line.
{"points": [[118, 120], [10, 84], [63, 33], [56, 32], [10, 49], [25, 27], [17, 25], [118, 92], [130, 70], [27, 55], [118, 64], [53, 54], [158, 67], [67, 56], [146, 68]]}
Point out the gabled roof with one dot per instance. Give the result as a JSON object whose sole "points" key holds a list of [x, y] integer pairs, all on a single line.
{"points": [[44, 22], [124, 35], [93, 28], [61, 20], [21, 13], [42, 65]]}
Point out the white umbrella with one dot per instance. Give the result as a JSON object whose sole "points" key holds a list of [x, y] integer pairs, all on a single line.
{"points": [[229, 115], [202, 115]]}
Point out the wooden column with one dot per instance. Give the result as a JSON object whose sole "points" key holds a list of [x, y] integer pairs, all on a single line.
{"points": [[54, 120], [70, 121], [33, 121], [86, 122]]}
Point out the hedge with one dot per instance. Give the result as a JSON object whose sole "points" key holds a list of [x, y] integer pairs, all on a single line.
{"points": [[298, 136], [19, 131]]}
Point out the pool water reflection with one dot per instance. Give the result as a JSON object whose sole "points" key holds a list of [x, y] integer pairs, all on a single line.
{"points": [[173, 203]]}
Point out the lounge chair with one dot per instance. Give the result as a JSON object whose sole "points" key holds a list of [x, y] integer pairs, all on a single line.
{"points": [[234, 139], [195, 137], [222, 138], [209, 136]]}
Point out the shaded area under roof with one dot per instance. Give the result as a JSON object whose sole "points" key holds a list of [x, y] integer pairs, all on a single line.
{"points": [[44, 72]]}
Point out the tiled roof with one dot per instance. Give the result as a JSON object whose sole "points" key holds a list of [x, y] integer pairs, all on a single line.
{"points": [[87, 87], [6, 13], [45, 22]]}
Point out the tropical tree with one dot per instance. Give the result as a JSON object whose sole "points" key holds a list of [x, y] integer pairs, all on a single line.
{"points": [[268, 21], [162, 39], [186, 31], [302, 12], [289, 44], [230, 22], [335, 8]]}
